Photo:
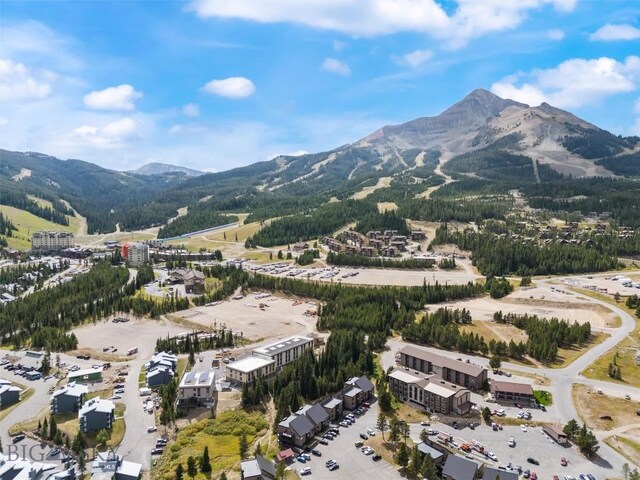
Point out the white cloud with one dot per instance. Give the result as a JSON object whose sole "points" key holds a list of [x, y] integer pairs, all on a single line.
{"points": [[19, 83], [611, 32], [121, 97], [191, 110], [232, 87], [339, 45], [114, 134], [417, 57], [368, 18], [334, 65], [573, 83], [555, 34]]}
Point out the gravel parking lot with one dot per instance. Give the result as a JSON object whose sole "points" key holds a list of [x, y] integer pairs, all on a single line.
{"points": [[353, 463], [532, 443]]}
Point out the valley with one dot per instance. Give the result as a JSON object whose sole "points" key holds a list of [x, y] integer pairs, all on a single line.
{"points": [[499, 237]]}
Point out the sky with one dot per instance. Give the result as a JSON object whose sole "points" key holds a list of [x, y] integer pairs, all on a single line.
{"points": [[216, 84]]}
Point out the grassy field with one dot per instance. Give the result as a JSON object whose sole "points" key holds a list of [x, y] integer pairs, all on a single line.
{"points": [[27, 223], [221, 435], [387, 206], [568, 355], [627, 447], [543, 397], [591, 405], [625, 350]]}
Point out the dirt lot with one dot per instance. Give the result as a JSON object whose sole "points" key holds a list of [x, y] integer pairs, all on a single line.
{"points": [[141, 333], [603, 282], [591, 406], [373, 276], [484, 308], [281, 316]]}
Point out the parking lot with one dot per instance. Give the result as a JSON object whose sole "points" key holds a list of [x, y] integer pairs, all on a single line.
{"points": [[353, 463], [532, 443]]}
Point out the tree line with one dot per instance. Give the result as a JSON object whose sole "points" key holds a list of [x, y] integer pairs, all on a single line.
{"points": [[546, 335], [316, 223], [388, 220], [495, 256], [346, 259], [440, 210]]}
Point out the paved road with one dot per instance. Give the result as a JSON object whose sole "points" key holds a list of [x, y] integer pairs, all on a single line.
{"points": [[563, 379]]}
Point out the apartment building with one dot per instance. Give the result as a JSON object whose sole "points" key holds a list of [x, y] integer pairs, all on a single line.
{"points": [[284, 351], [197, 389], [468, 375], [46, 241]]}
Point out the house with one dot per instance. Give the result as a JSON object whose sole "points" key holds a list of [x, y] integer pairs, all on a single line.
{"points": [[491, 473], [296, 430], [162, 359], [96, 414], [468, 375], [248, 369], [437, 455], [110, 466], [334, 408], [284, 351], [32, 361], [317, 415], [512, 392], [68, 399], [14, 467], [459, 468], [9, 394], [197, 389], [430, 392], [193, 280], [556, 433], [257, 469], [286, 456], [159, 376], [89, 375], [300, 247], [356, 390]]}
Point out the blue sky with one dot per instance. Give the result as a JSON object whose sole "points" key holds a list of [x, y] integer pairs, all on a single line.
{"points": [[214, 84]]}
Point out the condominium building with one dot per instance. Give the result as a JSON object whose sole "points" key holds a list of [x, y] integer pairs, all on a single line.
{"points": [[284, 351], [46, 241], [465, 374], [430, 392], [197, 389], [135, 254]]}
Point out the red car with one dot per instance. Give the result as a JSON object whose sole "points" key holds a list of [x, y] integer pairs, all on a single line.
{"points": [[533, 476], [563, 462]]}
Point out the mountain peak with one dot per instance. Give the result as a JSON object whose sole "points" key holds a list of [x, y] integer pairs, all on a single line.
{"points": [[156, 168]]}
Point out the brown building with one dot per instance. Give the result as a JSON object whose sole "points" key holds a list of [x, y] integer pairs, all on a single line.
{"points": [[555, 432], [430, 392], [512, 392], [461, 373]]}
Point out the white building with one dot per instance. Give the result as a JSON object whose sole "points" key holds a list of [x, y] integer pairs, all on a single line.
{"points": [[197, 389], [47, 241], [284, 351], [248, 369], [137, 254]]}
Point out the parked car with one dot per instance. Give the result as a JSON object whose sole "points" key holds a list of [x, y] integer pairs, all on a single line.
{"points": [[305, 471], [316, 452], [18, 438], [157, 451], [151, 429], [563, 462], [511, 442], [376, 457], [364, 436], [533, 461], [371, 432]]}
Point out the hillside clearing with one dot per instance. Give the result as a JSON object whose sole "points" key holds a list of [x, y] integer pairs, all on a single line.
{"points": [[27, 223]]}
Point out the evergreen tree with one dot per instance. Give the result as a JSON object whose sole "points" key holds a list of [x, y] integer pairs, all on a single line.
{"points": [[205, 462], [243, 446], [382, 423], [179, 472], [192, 469], [402, 455]]}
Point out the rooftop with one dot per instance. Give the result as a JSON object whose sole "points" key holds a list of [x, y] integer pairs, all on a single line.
{"points": [[250, 364], [198, 379], [282, 345], [97, 405], [442, 361], [511, 387], [72, 389]]}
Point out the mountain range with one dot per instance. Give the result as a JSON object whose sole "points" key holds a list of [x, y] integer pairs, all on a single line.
{"points": [[155, 168], [482, 136]]}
